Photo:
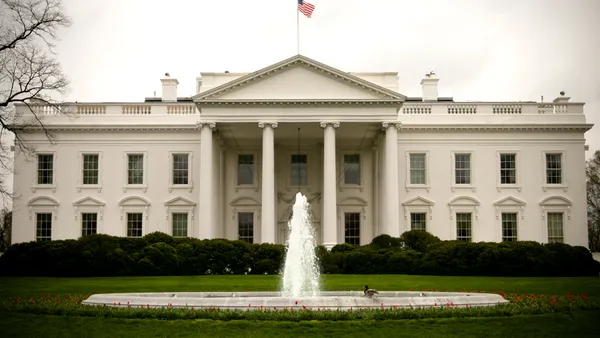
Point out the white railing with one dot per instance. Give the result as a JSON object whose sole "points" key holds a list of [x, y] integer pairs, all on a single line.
{"points": [[518, 108], [409, 108]]}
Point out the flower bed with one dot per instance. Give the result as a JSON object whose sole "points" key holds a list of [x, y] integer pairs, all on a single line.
{"points": [[57, 304]]}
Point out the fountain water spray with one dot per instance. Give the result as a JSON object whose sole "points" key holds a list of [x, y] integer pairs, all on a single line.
{"points": [[301, 273]]}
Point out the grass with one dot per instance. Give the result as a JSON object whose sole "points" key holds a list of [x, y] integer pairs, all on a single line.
{"points": [[563, 324]]}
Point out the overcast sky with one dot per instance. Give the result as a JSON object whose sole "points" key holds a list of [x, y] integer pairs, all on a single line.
{"points": [[117, 50], [505, 50]]}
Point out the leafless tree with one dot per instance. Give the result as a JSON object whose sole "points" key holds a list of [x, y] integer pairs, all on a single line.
{"points": [[29, 72], [5, 229], [593, 201]]}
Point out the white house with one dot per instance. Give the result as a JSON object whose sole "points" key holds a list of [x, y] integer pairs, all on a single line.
{"points": [[227, 162]]}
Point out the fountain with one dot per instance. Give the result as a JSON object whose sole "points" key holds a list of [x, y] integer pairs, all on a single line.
{"points": [[301, 272], [300, 286]]}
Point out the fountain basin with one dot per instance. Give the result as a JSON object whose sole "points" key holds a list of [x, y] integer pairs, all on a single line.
{"points": [[325, 300]]}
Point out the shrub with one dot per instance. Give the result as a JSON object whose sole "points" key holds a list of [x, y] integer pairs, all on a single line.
{"points": [[415, 252]]}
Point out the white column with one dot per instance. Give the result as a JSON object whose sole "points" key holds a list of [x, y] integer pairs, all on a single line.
{"points": [[329, 219], [391, 221], [268, 224], [206, 220]]}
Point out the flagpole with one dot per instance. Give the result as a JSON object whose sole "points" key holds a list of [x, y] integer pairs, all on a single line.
{"points": [[297, 28]]}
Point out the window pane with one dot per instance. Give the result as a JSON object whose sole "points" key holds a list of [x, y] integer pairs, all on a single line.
{"points": [[180, 224], [90, 168], [553, 168], [134, 224], [352, 169], [417, 169], [464, 226], [89, 224], [462, 164], [135, 169], [43, 227], [508, 168], [45, 168], [352, 228], [509, 227], [245, 169], [180, 168], [555, 227], [418, 221], [299, 174], [246, 226]]}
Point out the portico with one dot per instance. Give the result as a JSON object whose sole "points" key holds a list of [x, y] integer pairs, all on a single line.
{"points": [[303, 124]]}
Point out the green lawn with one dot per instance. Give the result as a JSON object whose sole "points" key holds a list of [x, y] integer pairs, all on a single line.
{"points": [[581, 324]]}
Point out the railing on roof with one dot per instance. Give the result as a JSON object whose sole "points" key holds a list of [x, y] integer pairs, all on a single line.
{"points": [[114, 109], [516, 108], [421, 108]]}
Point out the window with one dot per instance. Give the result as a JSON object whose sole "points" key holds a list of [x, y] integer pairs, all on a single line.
{"points": [[135, 169], [417, 211], [464, 226], [180, 224], [352, 228], [246, 226], [45, 171], [91, 170], [180, 216], [180, 169], [134, 224], [352, 169], [418, 221], [417, 169], [43, 226], [555, 227], [464, 211], [508, 168], [462, 168], [553, 168], [89, 223], [509, 227], [299, 172], [245, 172]]}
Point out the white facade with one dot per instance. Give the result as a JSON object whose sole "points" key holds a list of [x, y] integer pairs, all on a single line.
{"points": [[228, 162]]}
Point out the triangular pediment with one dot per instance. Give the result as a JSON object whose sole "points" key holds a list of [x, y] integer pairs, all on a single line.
{"points": [[355, 201], [509, 201], [88, 202], [179, 202], [464, 201], [299, 78], [418, 201], [556, 201], [43, 201], [134, 201]]}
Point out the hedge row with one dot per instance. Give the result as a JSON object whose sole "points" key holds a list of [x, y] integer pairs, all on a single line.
{"points": [[415, 252]]}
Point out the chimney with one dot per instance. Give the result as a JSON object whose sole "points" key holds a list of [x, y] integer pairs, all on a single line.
{"points": [[430, 87], [198, 83], [562, 99], [169, 88]]}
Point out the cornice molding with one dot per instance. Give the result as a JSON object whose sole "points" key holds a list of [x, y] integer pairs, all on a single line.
{"points": [[108, 128], [293, 62], [284, 102], [404, 128], [497, 128]]}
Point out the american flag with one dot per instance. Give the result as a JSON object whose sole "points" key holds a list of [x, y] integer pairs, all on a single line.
{"points": [[305, 8]]}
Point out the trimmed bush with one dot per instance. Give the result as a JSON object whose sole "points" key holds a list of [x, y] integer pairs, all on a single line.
{"points": [[415, 252]]}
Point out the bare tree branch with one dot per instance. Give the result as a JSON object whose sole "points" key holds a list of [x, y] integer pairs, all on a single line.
{"points": [[29, 73]]}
